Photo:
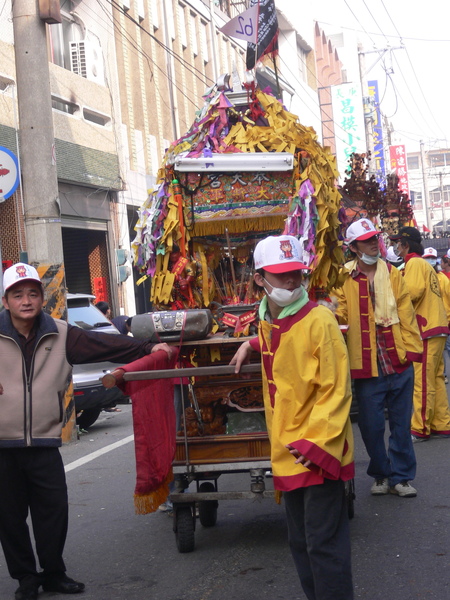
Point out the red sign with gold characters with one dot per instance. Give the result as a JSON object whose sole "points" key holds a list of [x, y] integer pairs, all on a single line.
{"points": [[399, 166]]}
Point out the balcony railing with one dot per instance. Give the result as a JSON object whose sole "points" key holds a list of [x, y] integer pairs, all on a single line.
{"points": [[232, 8]]}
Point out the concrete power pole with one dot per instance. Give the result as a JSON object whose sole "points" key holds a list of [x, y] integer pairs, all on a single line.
{"points": [[37, 150], [441, 188], [368, 118], [426, 194]]}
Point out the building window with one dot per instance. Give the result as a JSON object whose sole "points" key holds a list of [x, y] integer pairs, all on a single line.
{"points": [[182, 19], [61, 34], [140, 9], [204, 41], [416, 200], [155, 13], [413, 162], [193, 24], [64, 105], [436, 160], [170, 19], [96, 117]]}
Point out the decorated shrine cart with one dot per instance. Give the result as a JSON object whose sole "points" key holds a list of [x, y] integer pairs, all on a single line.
{"points": [[246, 169], [232, 438]]}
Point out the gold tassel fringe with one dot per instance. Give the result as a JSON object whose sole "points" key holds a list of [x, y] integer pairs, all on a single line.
{"points": [[148, 503]]}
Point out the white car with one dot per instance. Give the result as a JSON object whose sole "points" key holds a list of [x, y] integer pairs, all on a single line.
{"points": [[89, 394]]}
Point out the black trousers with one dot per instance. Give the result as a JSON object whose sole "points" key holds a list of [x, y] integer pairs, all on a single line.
{"points": [[319, 539], [32, 480]]}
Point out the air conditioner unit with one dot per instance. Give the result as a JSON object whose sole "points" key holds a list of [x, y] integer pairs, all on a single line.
{"points": [[86, 59]]}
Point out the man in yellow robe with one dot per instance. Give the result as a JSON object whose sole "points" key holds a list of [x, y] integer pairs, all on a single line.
{"points": [[307, 401]]}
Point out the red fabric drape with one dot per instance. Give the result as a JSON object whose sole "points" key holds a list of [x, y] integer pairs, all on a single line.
{"points": [[154, 430]]}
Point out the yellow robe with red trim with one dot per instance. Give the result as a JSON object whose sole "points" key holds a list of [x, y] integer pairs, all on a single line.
{"points": [[307, 397], [423, 286], [355, 309], [444, 285]]}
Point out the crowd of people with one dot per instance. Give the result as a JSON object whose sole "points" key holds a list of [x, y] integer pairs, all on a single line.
{"points": [[395, 311]]}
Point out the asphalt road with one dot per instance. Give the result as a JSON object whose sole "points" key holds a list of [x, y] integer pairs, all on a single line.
{"points": [[400, 546]]}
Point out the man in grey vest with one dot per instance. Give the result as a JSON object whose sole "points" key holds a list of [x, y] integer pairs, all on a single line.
{"points": [[36, 357]]}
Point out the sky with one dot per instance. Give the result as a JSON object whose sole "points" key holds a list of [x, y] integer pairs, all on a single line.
{"points": [[413, 74]]}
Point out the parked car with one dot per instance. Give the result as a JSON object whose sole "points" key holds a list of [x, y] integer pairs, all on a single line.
{"points": [[89, 394]]}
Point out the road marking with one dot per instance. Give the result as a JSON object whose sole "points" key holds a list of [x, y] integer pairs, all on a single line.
{"points": [[82, 461]]}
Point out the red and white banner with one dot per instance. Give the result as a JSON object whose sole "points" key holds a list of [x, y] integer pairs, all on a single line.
{"points": [[399, 166]]}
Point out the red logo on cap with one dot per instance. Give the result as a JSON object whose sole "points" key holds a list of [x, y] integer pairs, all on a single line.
{"points": [[21, 271], [366, 225], [286, 249]]}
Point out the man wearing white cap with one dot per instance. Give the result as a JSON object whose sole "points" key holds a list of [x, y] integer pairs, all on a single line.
{"points": [[394, 259], [36, 357], [383, 339], [307, 401]]}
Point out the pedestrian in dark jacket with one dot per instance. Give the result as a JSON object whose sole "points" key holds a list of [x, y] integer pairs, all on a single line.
{"points": [[36, 357]]}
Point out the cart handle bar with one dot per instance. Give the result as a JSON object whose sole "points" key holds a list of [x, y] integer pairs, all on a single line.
{"points": [[117, 376]]}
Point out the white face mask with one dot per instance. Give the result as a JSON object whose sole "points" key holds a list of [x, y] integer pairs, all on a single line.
{"points": [[432, 261], [369, 260], [283, 297]]}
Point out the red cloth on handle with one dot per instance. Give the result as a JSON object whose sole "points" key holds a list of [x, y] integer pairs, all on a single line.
{"points": [[154, 430]]}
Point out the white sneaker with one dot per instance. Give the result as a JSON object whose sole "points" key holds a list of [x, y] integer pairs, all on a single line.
{"points": [[167, 506], [404, 489], [380, 487]]}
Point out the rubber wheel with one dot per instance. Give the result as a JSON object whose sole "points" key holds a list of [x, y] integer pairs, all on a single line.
{"points": [[88, 417], [184, 533], [207, 509], [350, 497]]}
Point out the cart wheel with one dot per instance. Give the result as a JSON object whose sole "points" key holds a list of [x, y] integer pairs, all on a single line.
{"points": [[207, 509], [350, 497], [184, 529]]}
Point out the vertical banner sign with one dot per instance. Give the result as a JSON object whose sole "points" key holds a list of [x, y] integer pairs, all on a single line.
{"points": [[267, 33], [348, 116], [378, 150], [397, 155]]}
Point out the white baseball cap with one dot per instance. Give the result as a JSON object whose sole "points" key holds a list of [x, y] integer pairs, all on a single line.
{"points": [[429, 253], [448, 253], [392, 257], [17, 273], [278, 254], [360, 230]]}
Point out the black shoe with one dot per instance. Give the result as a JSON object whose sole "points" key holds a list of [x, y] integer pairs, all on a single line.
{"points": [[62, 584], [28, 588]]}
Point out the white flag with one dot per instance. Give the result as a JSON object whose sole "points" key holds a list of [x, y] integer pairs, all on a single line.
{"points": [[244, 26]]}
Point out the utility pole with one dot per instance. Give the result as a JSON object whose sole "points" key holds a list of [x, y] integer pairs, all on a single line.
{"points": [[37, 149], [38, 161], [367, 110], [387, 130], [441, 187], [368, 119], [426, 194]]}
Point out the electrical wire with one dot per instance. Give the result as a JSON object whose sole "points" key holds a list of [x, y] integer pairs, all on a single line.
{"points": [[390, 18], [389, 35], [188, 66], [413, 97], [362, 26], [375, 21]]}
